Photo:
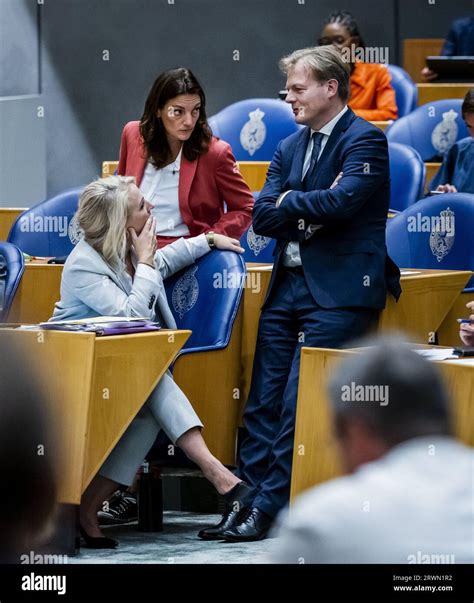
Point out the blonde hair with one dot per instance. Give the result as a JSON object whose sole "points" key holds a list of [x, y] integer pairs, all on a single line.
{"points": [[325, 63], [102, 216]]}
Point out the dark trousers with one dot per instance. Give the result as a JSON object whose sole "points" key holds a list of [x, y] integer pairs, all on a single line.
{"points": [[290, 319]]}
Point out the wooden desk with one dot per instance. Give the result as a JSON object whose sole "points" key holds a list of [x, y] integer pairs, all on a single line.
{"points": [[8, 215], [382, 124], [96, 386], [253, 172], [431, 171], [427, 93], [426, 300], [315, 456], [216, 401], [415, 51], [38, 292], [448, 332]]}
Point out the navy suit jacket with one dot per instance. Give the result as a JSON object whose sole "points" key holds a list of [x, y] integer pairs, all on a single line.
{"points": [[345, 262]]}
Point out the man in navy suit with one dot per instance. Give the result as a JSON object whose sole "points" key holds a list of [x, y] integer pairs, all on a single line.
{"points": [[325, 201]]}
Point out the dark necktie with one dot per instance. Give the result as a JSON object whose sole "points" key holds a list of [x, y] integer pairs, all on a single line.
{"points": [[317, 141]]}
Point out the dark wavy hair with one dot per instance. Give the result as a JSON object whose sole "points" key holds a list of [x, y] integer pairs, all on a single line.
{"points": [[169, 84]]}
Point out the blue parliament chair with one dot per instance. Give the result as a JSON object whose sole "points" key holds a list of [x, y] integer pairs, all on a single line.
{"points": [[430, 129], [406, 92], [15, 266], [254, 127], [257, 247], [205, 298], [48, 229], [407, 176], [434, 233]]}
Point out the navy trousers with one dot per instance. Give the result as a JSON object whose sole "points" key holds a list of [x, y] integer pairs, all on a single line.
{"points": [[290, 319]]}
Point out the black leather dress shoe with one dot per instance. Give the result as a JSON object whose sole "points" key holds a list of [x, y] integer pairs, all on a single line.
{"points": [[236, 501], [228, 521], [254, 525]]}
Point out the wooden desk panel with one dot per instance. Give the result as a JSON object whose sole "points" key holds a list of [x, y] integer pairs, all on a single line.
{"points": [[426, 300], [253, 172], [431, 171], [216, 401], [315, 456], [427, 93], [8, 215], [95, 387], [383, 125], [415, 51], [38, 292], [448, 332], [211, 381], [109, 168]]}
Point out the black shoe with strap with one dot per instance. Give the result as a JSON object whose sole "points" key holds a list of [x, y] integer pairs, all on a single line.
{"points": [[237, 501]]}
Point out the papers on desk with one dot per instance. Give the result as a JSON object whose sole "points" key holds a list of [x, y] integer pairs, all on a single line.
{"points": [[96, 320], [409, 272], [438, 354]]}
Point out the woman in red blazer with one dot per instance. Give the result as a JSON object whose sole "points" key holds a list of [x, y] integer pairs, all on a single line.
{"points": [[185, 172]]}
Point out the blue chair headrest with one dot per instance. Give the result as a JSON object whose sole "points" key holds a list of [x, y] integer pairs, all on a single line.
{"points": [[48, 229], [430, 129], [254, 127], [15, 267], [435, 233]]}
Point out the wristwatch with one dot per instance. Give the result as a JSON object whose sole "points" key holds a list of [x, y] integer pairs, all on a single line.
{"points": [[210, 239]]}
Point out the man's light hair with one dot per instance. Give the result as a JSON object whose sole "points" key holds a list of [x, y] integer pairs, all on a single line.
{"points": [[102, 216], [325, 63]]}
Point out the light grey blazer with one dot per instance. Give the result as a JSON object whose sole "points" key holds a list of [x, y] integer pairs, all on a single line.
{"points": [[90, 287]]}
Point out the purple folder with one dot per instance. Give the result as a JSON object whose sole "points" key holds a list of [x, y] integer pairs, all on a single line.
{"points": [[105, 328]]}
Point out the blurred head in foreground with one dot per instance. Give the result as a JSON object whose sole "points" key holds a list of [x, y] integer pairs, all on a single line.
{"points": [[384, 396], [27, 475]]}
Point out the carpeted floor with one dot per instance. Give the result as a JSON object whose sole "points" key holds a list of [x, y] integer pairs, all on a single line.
{"points": [[178, 543]]}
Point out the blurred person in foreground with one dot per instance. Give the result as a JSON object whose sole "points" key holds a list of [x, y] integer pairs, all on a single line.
{"points": [[408, 492], [28, 490]]}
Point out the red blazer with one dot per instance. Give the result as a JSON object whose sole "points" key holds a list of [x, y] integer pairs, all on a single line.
{"points": [[204, 185]]}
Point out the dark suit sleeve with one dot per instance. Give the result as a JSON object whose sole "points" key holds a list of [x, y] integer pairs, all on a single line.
{"points": [[365, 168], [267, 220], [450, 43]]}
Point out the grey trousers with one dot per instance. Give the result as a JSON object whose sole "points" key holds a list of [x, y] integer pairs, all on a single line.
{"points": [[167, 408]]}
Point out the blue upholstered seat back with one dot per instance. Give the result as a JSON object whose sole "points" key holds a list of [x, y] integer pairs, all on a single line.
{"points": [[406, 92], [48, 229], [205, 298], [407, 176], [435, 233], [430, 129], [15, 267], [254, 127]]}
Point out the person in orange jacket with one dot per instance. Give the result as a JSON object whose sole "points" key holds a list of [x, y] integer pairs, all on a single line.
{"points": [[372, 95]]}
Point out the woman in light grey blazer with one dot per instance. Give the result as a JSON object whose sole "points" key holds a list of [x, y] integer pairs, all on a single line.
{"points": [[115, 270]]}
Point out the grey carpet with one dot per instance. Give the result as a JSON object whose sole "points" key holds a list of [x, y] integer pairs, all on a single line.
{"points": [[178, 543]]}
